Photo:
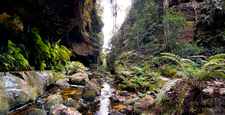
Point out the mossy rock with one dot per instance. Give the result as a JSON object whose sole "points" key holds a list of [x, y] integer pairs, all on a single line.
{"points": [[71, 103], [89, 95], [124, 93], [52, 100], [4, 107], [34, 111], [131, 101], [50, 79]]}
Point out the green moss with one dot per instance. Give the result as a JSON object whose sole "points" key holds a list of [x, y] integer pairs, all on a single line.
{"points": [[4, 107], [52, 100], [89, 95]]}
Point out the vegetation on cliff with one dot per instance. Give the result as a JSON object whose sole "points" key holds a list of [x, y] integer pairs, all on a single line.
{"points": [[178, 78]]}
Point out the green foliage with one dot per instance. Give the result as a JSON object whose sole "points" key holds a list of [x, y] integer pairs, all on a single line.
{"points": [[73, 66], [59, 75], [214, 67], [48, 56], [162, 93], [13, 59]]}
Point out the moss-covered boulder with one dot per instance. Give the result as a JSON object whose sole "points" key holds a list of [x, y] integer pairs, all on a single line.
{"points": [[62, 83], [79, 79], [71, 103], [131, 101], [92, 87], [4, 107], [34, 111], [147, 101], [52, 100], [89, 95], [124, 93]]}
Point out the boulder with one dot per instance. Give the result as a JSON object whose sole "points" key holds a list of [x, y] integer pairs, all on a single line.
{"points": [[124, 93], [4, 106], [146, 101], [62, 83], [60, 109], [114, 99], [131, 101], [89, 96], [71, 103], [92, 87], [52, 100], [34, 111], [79, 78]]}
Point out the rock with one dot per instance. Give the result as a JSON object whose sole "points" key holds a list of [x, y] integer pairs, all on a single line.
{"points": [[71, 103], [4, 106], [62, 83], [131, 101], [219, 84], [52, 100], [92, 87], [89, 95], [124, 93], [114, 99], [208, 111], [60, 109], [147, 101], [222, 91], [208, 90], [34, 111], [79, 79]]}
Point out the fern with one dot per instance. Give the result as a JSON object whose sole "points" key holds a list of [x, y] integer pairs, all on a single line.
{"points": [[168, 85]]}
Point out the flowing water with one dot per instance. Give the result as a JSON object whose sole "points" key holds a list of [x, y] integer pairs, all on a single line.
{"points": [[102, 105]]}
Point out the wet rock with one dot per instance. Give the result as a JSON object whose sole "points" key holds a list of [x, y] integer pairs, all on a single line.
{"points": [[147, 101], [71, 103], [114, 99], [17, 96], [62, 83], [89, 95], [34, 111], [124, 93], [52, 100], [92, 87], [131, 101], [4, 107], [60, 109], [79, 79]]}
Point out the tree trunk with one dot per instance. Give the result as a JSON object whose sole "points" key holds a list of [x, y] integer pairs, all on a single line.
{"points": [[166, 26]]}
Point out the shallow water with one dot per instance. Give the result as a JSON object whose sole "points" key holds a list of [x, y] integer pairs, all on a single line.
{"points": [[100, 106]]}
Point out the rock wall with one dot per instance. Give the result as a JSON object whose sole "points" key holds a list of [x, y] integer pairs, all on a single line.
{"points": [[59, 20], [18, 88]]}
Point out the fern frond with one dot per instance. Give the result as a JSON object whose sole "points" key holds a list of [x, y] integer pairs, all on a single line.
{"points": [[173, 57], [167, 86], [218, 56], [65, 48]]}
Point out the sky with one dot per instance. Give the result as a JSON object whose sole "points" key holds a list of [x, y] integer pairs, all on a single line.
{"points": [[108, 19]]}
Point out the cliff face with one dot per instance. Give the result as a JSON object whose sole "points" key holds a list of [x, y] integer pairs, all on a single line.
{"points": [[60, 20]]}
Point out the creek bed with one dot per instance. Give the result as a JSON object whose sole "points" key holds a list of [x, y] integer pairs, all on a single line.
{"points": [[100, 106]]}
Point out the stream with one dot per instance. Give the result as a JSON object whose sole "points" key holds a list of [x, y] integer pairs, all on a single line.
{"points": [[102, 105]]}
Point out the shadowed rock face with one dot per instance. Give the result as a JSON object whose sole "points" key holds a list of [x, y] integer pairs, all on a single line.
{"points": [[60, 19]]}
